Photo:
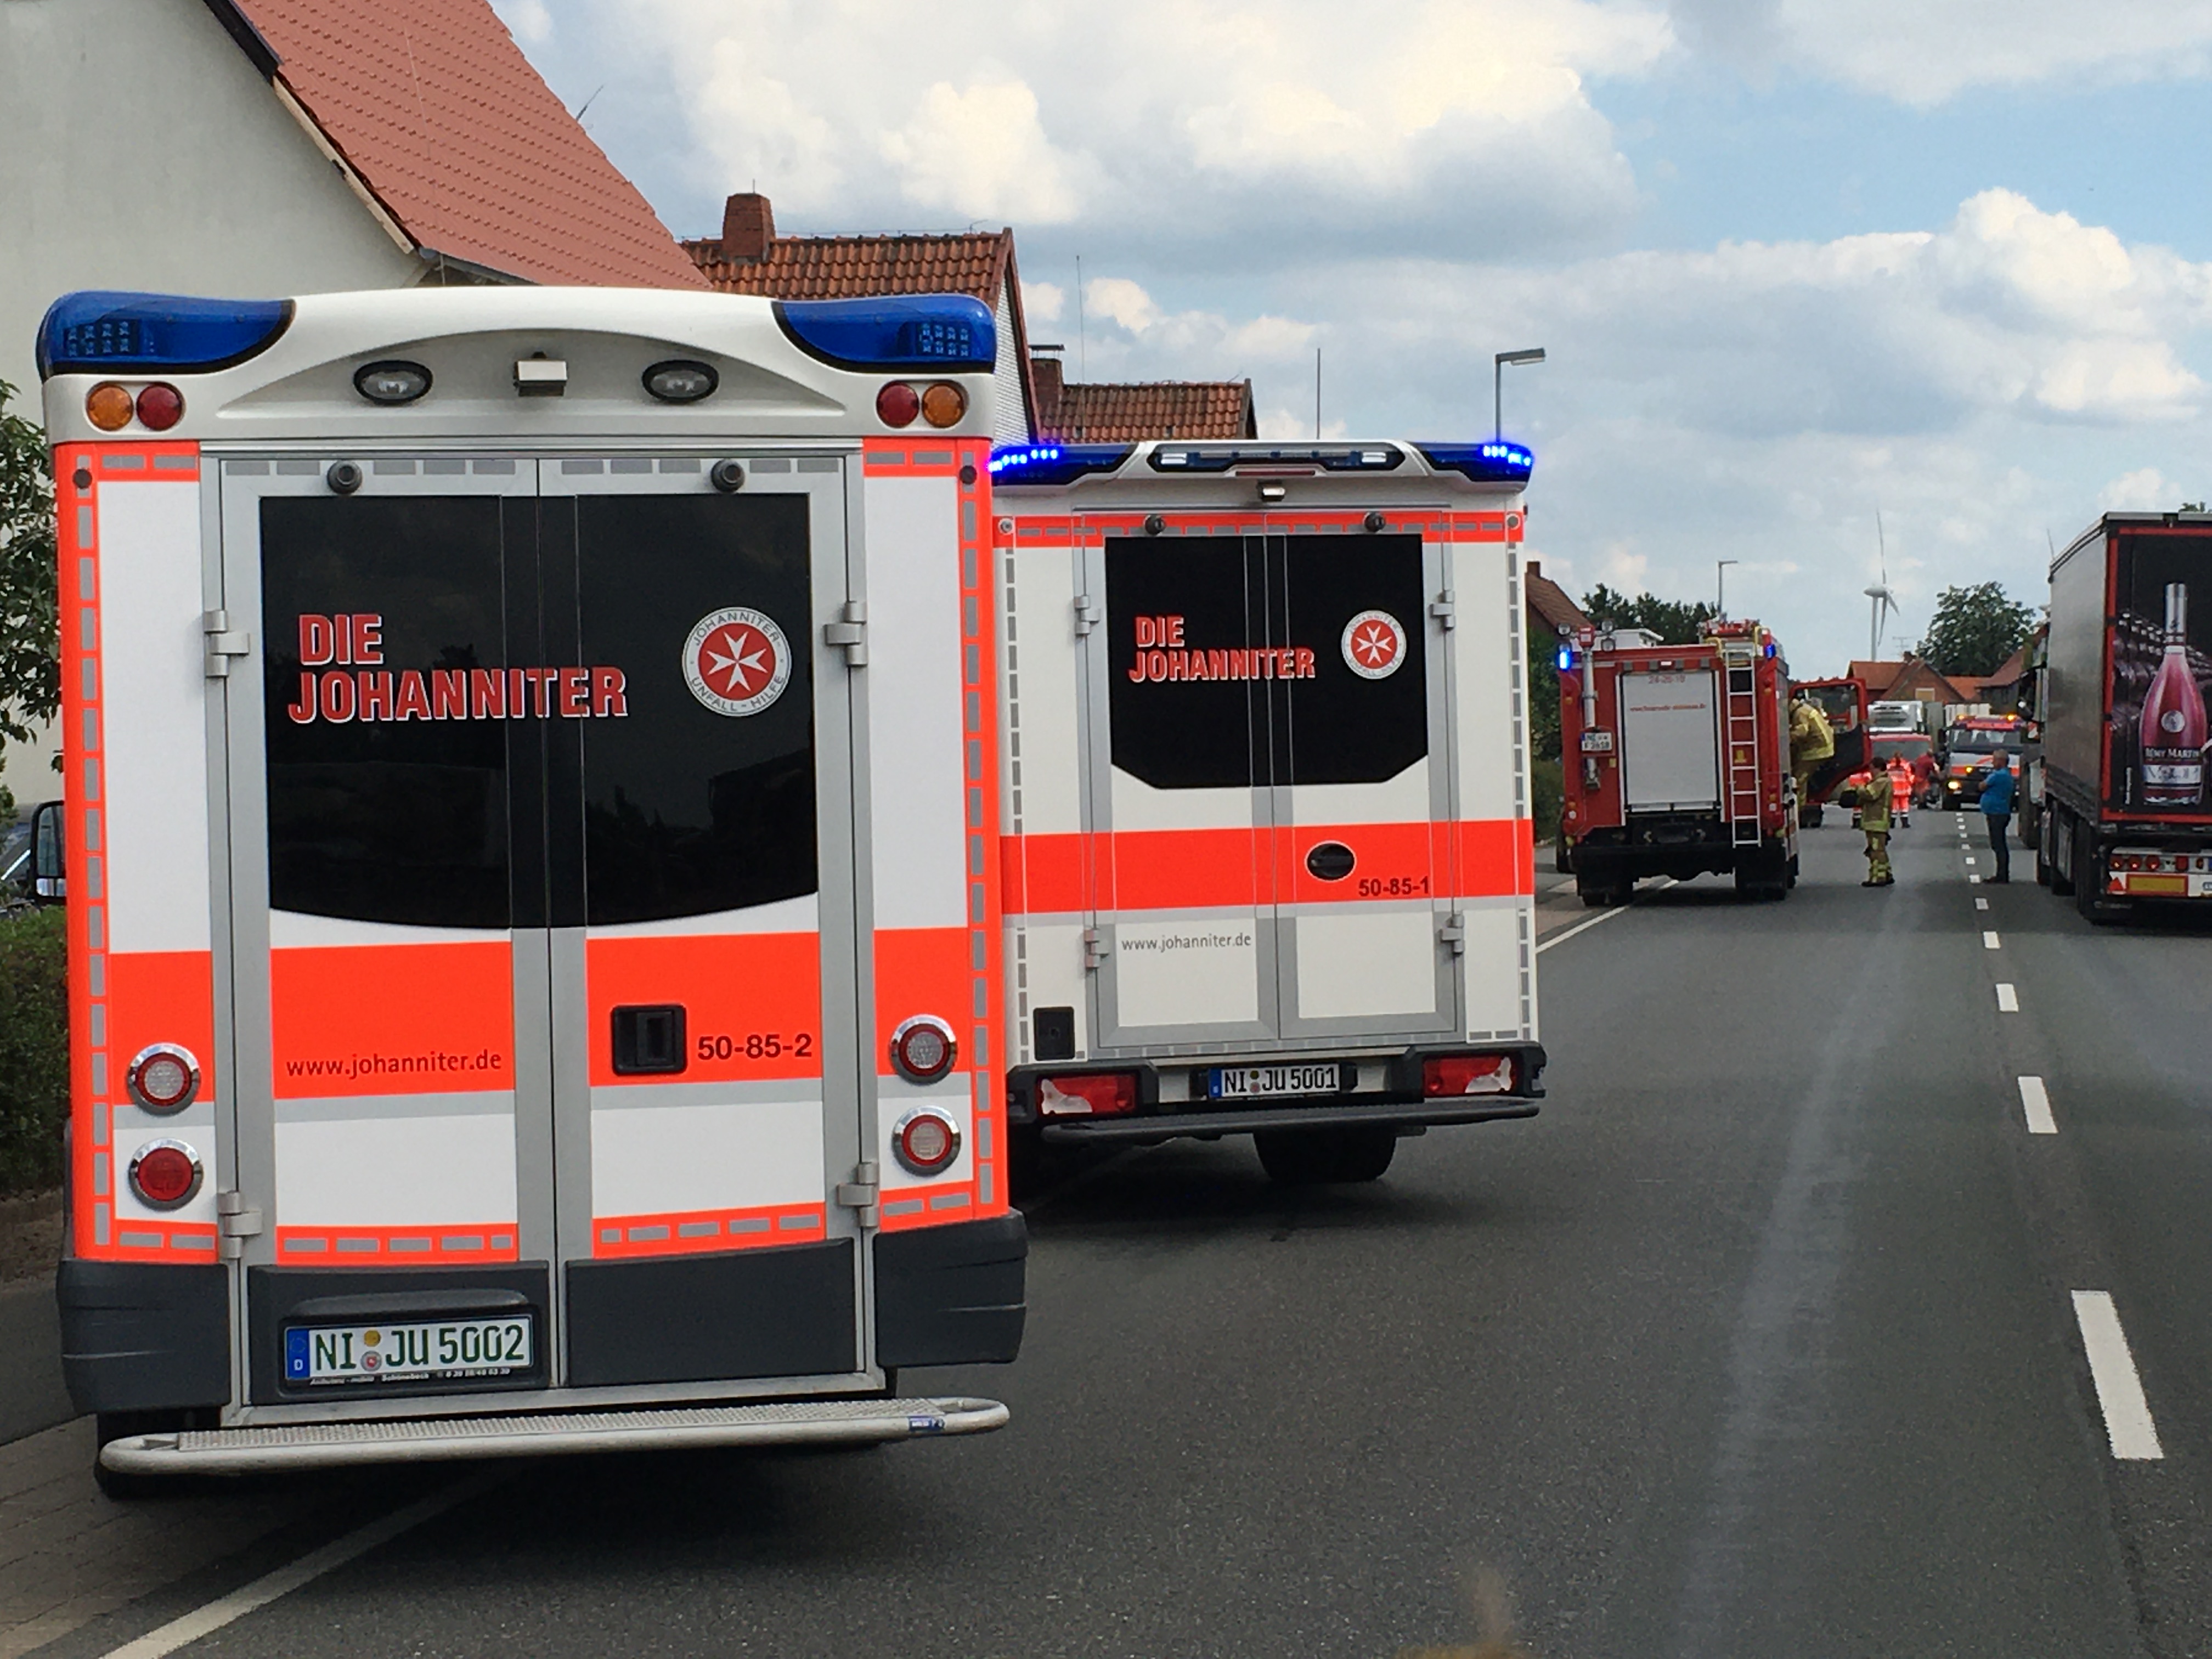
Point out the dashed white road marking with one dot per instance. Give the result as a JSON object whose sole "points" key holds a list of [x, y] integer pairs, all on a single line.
{"points": [[1970, 862], [1990, 940], [190, 1627], [2128, 1423], [2035, 1104], [1974, 878], [1981, 904], [2008, 1000]]}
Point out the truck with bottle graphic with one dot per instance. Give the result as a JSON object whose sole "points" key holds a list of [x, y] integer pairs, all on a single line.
{"points": [[2125, 818]]}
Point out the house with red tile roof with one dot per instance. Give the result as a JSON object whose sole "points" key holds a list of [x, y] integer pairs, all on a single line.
{"points": [[261, 149], [1034, 402], [1552, 604]]}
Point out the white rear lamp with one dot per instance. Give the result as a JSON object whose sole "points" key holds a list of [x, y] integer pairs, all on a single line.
{"points": [[164, 1078], [925, 1141], [166, 1174], [922, 1049], [392, 383], [540, 376], [681, 381]]}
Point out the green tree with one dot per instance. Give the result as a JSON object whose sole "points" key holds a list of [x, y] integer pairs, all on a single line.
{"points": [[1975, 628], [1674, 622], [30, 638]]}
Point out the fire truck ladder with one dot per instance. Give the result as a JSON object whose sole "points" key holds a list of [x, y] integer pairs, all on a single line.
{"points": [[1740, 728]]}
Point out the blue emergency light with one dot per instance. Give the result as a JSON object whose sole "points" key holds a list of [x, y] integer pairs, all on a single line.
{"points": [[1054, 463], [1495, 462], [1330, 457], [949, 333], [97, 332]]}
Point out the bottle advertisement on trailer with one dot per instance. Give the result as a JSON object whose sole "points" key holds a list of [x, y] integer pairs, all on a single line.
{"points": [[2161, 657]]}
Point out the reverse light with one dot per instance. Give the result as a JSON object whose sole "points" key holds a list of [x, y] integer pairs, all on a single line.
{"points": [[923, 1049], [166, 1174], [163, 1078], [897, 403], [1445, 1076], [1094, 1094], [109, 406], [392, 383], [160, 406], [943, 404], [682, 381], [925, 1141]]}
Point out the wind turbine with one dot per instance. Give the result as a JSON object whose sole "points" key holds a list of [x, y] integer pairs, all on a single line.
{"points": [[1884, 600]]}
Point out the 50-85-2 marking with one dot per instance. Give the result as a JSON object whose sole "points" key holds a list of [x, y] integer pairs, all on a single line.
{"points": [[757, 1045]]}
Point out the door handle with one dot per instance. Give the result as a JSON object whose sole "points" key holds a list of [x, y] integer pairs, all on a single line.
{"points": [[649, 1040]]}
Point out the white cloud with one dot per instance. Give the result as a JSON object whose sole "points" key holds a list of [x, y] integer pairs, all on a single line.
{"points": [[527, 20], [1921, 54], [2146, 490], [1043, 302], [982, 154], [1148, 341]]}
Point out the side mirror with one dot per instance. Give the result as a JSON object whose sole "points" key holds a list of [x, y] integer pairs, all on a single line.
{"points": [[49, 880]]}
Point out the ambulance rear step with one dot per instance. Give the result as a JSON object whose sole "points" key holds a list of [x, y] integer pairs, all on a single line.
{"points": [[331, 1445]]}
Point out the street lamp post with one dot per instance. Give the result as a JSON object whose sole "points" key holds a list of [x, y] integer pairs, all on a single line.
{"points": [[1534, 354], [1720, 587]]}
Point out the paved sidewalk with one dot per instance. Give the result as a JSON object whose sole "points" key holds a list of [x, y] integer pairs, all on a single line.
{"points": [[31, 1393]]}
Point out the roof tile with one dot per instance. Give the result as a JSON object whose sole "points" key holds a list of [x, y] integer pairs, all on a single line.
{"points": [[1100, 412], [837, 267]]}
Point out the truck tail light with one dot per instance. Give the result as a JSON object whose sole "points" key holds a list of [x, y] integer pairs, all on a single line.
{"points": [[897, 403], [925, 1141], [109, 406], [943, 404], [164, 1078], [160, 406], [923, 1049], [1446, 1076], [1096, 1094], [166, 1174]]}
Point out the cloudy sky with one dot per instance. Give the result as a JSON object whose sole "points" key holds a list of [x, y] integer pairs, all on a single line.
{"points": [[1796, 262]]}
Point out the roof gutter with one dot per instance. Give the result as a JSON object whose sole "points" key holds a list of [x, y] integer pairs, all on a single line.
{"points": [[239, 27]]}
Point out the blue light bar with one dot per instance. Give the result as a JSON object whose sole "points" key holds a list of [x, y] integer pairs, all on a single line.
{"points": [[1330, 457], [1054, 463], [1566, 657], [948, 333], [1496, 462], [167, 333]]}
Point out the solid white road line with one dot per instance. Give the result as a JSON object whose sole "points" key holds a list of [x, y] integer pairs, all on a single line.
{"points": [[2008, 1000], [2128, 1424], [1981, 904], [2035, 1103], [184, 1631], [1989, 939], [1603, 915]]}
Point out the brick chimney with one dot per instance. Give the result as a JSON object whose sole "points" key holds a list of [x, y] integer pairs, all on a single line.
{"points": [[748, 227], [1045, 378]]}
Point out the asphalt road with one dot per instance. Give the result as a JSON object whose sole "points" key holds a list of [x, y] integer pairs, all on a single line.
{"points": [[1762, 1341]]}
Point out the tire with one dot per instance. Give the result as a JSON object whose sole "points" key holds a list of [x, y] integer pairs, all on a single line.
{"points": [[1563, 857], [1311, 1157], [1809, 816]]}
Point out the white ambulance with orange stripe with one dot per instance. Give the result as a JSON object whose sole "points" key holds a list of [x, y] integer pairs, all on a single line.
{"points": [[1266, 863], [534, 980]]}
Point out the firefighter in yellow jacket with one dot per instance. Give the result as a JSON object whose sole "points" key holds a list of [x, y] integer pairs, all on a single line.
{"points": [[1812, 741], [1872, 803]]}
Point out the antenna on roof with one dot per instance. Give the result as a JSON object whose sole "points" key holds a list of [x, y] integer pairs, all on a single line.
{"points": [[587, 103], [1317, 394], [1082, 356]]}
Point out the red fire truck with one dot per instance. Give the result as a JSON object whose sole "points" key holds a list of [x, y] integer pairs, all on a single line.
{"points": [[1267, 866], [533, 975], [1678, 761]]}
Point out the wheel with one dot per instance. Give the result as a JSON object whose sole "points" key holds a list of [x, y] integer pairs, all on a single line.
{"points": [[1808, 815], [1307, 1158], [1563, 857], [1793, 869]]}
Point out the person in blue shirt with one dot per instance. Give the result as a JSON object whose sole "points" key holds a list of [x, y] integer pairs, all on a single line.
{"points": [[1996, 806]]}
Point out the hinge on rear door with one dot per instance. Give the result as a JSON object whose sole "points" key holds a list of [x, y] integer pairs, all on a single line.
{"points": [[1088, 613], [1445, 609], [850, 633], [223, 642], [1094, 950], [1453, 932], [236, 1222], [861, 1193]]}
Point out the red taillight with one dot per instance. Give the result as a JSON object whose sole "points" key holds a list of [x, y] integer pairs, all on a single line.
{"points": [[926, 1141], [1098, 1094], [165, 1173], [163, 1078], [1447, 1075], [160, 406], [897, 403], [922, 1049]]}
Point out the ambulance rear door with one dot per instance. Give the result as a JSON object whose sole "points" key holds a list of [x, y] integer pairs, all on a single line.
{"points": [[541, 864]]}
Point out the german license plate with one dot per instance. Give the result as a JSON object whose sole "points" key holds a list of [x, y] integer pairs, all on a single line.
{"points": [[430, 1350], [1252, 1082]]}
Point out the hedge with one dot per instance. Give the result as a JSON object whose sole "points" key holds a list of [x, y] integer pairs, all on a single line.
{"points": [[34, 1049]]}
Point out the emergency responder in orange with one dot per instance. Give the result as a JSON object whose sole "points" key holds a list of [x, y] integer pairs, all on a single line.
{"points": [[1812, 740], [1873, 798], [1900, 791]]}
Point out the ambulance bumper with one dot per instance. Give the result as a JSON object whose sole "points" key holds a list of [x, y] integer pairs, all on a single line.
{"points": [[1402, 1114], [335, 1445]]}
